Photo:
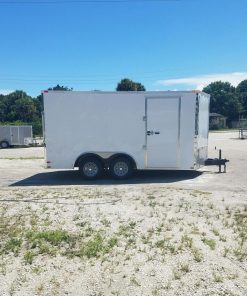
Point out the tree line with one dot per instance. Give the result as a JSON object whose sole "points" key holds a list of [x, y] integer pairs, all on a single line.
{"points": [[18, 108], [228, 100]]}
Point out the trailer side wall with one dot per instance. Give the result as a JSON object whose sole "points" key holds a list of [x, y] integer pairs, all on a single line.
{"points": [[89, 122]]}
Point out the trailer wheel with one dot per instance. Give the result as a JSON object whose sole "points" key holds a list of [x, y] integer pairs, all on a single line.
{"points": [[121, 168], [4, 144], [90, 168]]}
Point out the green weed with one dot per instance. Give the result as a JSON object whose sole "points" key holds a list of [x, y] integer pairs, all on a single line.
{"points": [[210, 242]]}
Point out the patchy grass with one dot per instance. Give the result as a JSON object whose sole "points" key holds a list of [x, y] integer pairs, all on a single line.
{"points": [[217, 277], [176, 234], [195, 193], [177, 274], [197, 254], [186, 242], [12, 245], [184, 267], [28, 257], [210, 242], [126, 230], [96, 246], [240, 229], [54, 237]]}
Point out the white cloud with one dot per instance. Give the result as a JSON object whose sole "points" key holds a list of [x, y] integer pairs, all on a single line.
{"points": [[5, 91], [199, 82]]}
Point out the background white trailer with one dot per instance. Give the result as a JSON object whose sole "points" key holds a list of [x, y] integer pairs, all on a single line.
{"points": [[14, 135], [154, 130]]}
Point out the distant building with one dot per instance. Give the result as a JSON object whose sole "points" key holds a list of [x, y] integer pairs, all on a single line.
{"points": [[217, 121]]}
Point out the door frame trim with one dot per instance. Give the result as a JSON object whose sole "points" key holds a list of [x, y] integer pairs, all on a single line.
{"points": [[179, 129], [18, 135]]}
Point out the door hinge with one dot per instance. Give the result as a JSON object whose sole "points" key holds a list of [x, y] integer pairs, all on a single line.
{"points": [[144, 118], [144, 147]]}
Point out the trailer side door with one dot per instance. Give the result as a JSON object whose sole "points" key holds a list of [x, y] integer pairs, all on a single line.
{"points": [[162, 132], [14, 132]]}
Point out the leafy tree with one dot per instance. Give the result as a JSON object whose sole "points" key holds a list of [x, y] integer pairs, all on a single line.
{"points": [[40, 103], [242, 87], [3, 108], [129, 85], [58, 87], [24, 110], [242, 92], [224, 99], [18, 108]]}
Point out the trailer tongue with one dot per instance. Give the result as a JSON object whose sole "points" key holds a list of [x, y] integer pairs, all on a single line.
{"points": [[218, 162]]}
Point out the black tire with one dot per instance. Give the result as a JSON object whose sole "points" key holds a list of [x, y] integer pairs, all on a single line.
{"points": [[90, 168], [4, 144], [121, 168]]}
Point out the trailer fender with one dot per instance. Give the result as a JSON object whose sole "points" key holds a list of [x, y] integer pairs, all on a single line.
{"points": [[85, 155], [105, 161]]}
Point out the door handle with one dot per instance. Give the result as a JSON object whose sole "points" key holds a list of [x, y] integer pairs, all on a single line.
{"points": [[151, 133]]}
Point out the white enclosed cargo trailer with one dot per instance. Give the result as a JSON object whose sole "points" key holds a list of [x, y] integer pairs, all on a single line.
{"points": [[123, 131], [15, 135]]}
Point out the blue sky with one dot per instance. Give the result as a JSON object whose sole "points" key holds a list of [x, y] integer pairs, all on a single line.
{"points": [[177, 44]]}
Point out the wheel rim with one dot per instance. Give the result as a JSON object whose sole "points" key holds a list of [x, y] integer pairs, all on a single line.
{"points": [[4, 145], [121, 169], [90, 169]]}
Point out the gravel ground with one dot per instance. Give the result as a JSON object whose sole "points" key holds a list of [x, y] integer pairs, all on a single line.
{"points": [[160, 233]]}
